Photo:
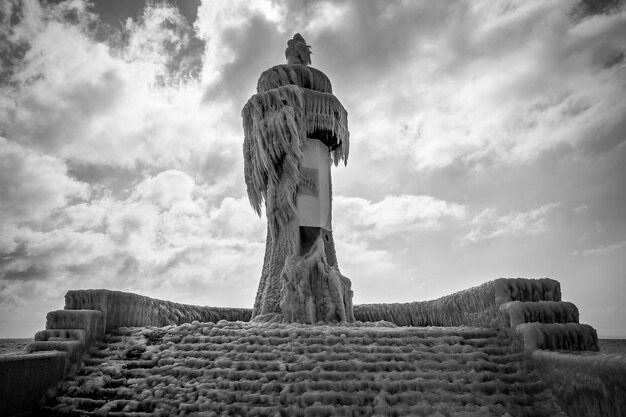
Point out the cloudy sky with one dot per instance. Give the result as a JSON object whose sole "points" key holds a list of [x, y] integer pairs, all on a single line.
{"points": [[488, 140]]}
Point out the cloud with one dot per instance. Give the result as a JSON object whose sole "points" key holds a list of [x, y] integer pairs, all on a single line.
{"points": [[33, 184], [482, 84], [489, 225], [164, 38], [395, 214], [582, 209], [128, 105], [165, 238], [122, 165], [602, 249]]}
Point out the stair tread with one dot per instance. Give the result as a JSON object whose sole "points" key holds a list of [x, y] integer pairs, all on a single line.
{"points": [[288, 368]]}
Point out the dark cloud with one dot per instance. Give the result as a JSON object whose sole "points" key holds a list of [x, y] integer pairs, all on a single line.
{"points": [[116, 12], [607, 138], [32, 273], [51, 125], [251, 45], [589, 8], [376, 39], [12, 51], [179, 42], [118, 181]]}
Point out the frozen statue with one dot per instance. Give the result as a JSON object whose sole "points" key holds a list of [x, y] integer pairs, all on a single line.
{"points": [[294, 128]]}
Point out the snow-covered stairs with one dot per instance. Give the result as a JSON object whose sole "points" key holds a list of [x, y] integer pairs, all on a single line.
{"points": [[549, 325], [238, 368]]}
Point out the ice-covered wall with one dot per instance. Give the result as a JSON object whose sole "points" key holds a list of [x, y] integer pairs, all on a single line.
{"points": [[473, 307], [25, 380], [127, 309], [586, 385], [476, 306]]}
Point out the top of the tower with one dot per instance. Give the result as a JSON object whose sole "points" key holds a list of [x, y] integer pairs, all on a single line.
{"points": [[298, 52]]}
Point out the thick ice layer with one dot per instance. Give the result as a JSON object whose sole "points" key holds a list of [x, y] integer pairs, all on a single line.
{"points": [[300, 370], [127, 309], [312, 291], [473, 307], [74, 348], [89, 319], [521, 289], [62, 334], [476, 306], [276, 123], [563, 336], [517, 312], [591, 384], [297, 74]]}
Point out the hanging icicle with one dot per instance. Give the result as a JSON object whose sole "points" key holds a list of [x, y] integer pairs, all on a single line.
{"points": [[276, 123]]}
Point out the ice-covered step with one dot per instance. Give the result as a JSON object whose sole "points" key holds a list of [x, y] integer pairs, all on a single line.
{"points": [[557, 336], [74, 348], [71, 341], [296, 370], [526, 290], [61, 335], [92, 321], [516, 312]]}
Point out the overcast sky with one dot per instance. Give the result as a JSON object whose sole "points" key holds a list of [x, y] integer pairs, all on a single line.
{"points": [[488, 140]]}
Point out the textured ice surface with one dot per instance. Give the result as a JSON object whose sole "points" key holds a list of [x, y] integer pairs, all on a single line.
{"points": [[557, 336], [292, 102], [237, 368], [128, 309], [586, 384], [312, 291], [517, 312]]}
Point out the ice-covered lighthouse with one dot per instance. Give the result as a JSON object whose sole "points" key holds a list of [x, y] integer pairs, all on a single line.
{"points": [[294, 129]]}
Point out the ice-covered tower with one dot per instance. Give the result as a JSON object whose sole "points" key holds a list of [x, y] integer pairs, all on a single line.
{"points": [[294, 129]]}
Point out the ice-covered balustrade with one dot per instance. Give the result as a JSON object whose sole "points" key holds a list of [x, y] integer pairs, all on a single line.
{"points": [[128, 309], [477, 306], [517, 312]]}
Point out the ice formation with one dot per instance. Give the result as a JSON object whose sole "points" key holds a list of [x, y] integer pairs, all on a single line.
{"points": [[585, 384], [237, 368], [362, 368], [560, 336], [294, 104], [312, 291], [521, 289], [128, 309], [517, 312]]}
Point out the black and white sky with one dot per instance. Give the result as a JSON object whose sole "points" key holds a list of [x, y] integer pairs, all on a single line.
{"points": [[488, 140]]}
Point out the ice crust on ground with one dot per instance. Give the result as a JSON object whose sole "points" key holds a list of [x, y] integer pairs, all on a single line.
{"points": [[239, 368]]}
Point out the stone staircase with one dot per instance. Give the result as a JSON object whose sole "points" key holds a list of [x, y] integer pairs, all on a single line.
{"points": [[70, 331], [240, 368], [550, 324]]}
